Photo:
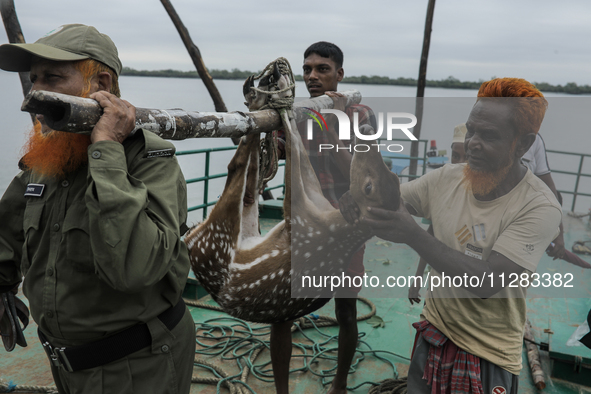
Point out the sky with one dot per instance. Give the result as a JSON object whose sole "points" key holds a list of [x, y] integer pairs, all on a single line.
{"points": [[541, 40]]}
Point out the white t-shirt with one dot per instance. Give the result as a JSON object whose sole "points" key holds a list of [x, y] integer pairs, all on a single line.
{"points": [[535, 158], [518, 225]]}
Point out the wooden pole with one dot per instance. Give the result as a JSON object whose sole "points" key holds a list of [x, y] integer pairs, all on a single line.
{"points": [[196, 57], [414, 147], [533, 356], [79, 115], [15, 36]]}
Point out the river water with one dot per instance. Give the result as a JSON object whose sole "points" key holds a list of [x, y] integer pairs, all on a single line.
{"points": [[190, 94]]}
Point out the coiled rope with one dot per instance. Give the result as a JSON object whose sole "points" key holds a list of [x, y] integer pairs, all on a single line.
{"points": [[234, 339], [390, 386], [10, 387]]}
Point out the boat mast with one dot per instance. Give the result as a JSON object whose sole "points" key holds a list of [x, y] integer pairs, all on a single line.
{"points": [[414, 147]]}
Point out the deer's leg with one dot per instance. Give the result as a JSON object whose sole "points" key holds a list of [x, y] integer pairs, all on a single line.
{"points": [[288, 173], [211, 244], [229, 209], [305, 187], [250, 211], [281, 355]]}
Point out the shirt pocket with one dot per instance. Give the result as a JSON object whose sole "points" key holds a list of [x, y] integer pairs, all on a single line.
{"points": [[31, 226], [76, 239]]}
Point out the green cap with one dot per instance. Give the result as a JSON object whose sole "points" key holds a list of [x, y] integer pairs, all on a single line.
{"points": [[66, 43]]}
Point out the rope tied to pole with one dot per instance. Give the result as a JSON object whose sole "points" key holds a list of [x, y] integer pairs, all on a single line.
{"points": [[268, 157], [278, 103]]}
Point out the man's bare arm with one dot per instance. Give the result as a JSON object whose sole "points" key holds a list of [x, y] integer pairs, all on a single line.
{"points": [[400, 227]]}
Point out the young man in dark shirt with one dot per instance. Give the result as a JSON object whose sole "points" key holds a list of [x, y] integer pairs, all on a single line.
{"points": [[323, 70]]}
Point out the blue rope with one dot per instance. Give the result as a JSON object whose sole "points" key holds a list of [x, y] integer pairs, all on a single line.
{"points": [[239, 341], [11, 387]]}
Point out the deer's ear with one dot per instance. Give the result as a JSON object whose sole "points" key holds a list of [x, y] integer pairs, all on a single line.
{"points": [[276, 73], [395, 179], [247, 85], [394, 191]]}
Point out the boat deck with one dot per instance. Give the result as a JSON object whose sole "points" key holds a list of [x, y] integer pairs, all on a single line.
{"points": [[29, 366]]}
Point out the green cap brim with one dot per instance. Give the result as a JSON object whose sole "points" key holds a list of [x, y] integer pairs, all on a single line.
{"points": [[17, 57]]}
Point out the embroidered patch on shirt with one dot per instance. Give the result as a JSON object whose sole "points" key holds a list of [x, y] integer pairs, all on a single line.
{"points": [[160, 153], [473, 251], [479, 233], [463, 235], [34, 190]]}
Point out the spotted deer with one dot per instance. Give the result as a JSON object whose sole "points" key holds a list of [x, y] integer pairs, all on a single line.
{"points": [[250, 276]]}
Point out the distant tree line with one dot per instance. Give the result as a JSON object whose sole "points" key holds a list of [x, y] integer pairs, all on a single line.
{"points": [[215, 74], [449, 82]]}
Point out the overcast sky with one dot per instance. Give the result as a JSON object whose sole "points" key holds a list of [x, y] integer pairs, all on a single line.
{"points": [[541, 40]]}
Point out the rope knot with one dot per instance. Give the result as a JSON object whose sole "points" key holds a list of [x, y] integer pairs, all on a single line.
{"points": [[277, 87]]}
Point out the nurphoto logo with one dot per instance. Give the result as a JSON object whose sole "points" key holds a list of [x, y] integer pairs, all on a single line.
{"points": [[345, 129], [317, 121]]}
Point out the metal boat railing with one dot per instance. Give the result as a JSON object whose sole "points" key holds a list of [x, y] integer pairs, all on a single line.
{"points": [[205, 179], [423, 159], [578, 175], [207, 176]]}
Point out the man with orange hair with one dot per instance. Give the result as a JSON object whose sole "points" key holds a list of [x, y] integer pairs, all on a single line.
{"points": [[94, 224], [492, 220]]}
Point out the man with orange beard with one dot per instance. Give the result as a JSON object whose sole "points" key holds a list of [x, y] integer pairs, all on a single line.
{"points": [[94, 224], [492, 219]]}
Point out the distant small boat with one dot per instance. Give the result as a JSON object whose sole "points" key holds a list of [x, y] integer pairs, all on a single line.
{"points": [[436, 158]]}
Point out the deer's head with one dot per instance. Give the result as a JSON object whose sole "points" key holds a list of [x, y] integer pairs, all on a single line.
{"points": [[372, 183]]}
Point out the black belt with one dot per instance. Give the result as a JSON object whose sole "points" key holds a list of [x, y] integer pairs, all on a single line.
{"points": [[110, 349]]}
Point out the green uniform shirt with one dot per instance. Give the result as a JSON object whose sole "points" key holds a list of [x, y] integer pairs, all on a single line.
{"points": [[100, 250]]}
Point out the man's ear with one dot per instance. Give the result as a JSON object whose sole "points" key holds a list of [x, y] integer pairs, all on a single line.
{"points": [[105, 81], [340, 74], [524, 143]]}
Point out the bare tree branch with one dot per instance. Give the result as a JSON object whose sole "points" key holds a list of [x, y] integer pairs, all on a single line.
{"points": [[196, 57]]}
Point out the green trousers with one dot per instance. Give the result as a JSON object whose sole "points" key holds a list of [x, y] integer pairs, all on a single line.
{"points": [[164, 368]]}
